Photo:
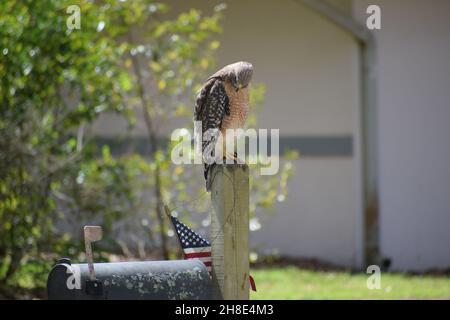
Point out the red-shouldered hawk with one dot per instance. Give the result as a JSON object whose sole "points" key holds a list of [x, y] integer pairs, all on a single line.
{"points": [[222, 104]]}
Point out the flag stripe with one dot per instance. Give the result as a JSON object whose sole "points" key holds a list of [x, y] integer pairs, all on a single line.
{"points": [[200, 258], [198, 254], [199, 250]]}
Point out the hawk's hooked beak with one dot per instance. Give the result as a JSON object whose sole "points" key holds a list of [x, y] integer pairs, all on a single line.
{"points": [[238, 87]]}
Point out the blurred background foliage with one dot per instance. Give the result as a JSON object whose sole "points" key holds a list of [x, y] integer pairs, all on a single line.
{"points": [[130, 58]]}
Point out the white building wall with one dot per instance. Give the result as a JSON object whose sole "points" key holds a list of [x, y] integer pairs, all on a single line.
{"points": [[318, 218], [414, 131]]}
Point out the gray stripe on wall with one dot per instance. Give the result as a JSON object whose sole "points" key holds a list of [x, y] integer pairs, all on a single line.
{"points": [[325, 146], [319, 146]]}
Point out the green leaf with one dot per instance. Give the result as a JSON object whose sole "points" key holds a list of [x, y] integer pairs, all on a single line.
{"points": [[125, 81]]}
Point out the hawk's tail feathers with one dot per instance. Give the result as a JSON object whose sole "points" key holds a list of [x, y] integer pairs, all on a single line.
{"points": [[207, 173]]}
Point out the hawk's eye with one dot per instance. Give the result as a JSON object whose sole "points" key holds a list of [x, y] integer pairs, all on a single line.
{"points": [[234, 80]]}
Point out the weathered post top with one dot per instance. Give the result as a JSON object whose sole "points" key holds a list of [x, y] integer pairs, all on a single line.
{"points": [[229, 231]]}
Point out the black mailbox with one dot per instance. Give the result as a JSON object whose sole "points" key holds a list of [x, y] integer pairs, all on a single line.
{"points": [[160, 280]]}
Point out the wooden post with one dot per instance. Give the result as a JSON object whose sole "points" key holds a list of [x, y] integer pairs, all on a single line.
{"points": [[229, 231]]}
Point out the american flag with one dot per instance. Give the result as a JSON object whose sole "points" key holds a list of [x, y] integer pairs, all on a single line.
{"points": [[193, 244], [196, 247]]}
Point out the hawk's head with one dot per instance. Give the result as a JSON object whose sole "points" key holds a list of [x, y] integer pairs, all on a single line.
{"points": [[239, 74]]}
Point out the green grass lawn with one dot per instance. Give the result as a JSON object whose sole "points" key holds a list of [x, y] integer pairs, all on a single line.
{"points": [[294, 283]]}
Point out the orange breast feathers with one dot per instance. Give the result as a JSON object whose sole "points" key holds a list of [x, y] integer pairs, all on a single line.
{"points": [[238, 108]]}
